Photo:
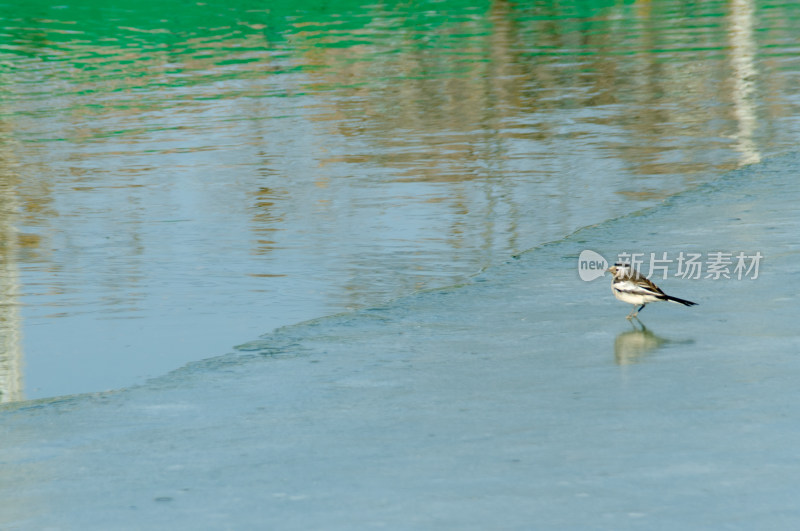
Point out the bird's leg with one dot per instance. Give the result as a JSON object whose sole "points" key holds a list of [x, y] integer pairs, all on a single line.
{"points": [[635, 311]]}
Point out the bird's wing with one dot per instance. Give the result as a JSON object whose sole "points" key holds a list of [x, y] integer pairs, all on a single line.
{"points": [[644, 283], [640, 286], [647, 285]]}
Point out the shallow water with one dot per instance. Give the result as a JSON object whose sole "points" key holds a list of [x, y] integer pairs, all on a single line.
{"points": [[181, 179], [521, 399]]}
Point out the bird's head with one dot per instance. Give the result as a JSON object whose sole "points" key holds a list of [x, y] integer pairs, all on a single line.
{"points": [[619, 269]]}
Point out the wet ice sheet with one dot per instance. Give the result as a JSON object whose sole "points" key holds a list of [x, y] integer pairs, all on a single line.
{"points": [[523, 399]]}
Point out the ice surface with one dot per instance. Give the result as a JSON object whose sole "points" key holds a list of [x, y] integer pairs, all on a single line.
{"points": [[521, 400]]}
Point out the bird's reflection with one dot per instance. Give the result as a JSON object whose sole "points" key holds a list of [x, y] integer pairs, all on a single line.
{"points": [[633, 345]]}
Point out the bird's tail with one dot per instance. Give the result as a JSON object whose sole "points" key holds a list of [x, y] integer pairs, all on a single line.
{"points": [[681, 301]]}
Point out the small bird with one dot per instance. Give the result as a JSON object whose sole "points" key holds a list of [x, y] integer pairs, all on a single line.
{"points": [[628, 285]]}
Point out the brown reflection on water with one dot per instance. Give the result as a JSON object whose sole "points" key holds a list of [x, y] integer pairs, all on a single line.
{"points": [[651, 91], [268, 218], [11, 378]]}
